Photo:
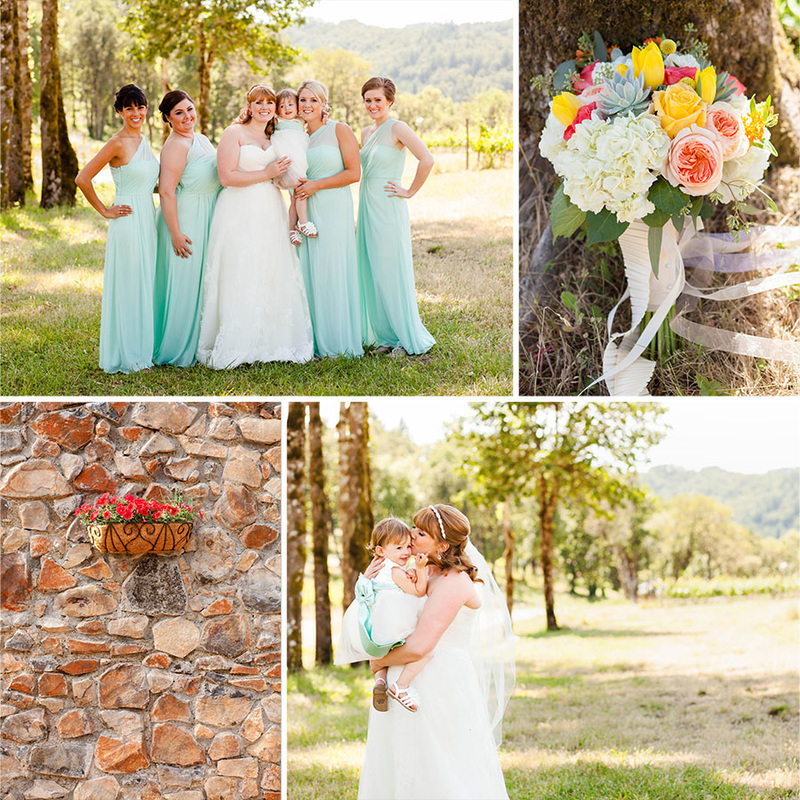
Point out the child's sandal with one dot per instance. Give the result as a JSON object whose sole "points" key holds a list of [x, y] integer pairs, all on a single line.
{"points": [[380, 702], [295, 238], [308, 228], [406, 697]]}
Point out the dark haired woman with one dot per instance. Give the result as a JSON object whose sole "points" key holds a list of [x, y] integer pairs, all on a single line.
{"points": [[390, 317], [188, 188], [126, 325], [254, 302]]}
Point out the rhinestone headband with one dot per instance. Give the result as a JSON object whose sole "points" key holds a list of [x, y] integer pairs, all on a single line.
{"points": [[439, 518]]}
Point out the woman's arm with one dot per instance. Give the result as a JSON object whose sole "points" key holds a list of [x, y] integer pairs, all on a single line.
{"points": [[403, 134], [173, 163], [348, 145], [451, 592], [83, 180], [228, 163]]}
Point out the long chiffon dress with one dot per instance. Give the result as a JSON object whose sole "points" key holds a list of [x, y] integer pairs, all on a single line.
{"points": [[126, 324], [329, 261], [446, 750], [390, 316], [254, 303], [179, 281]]}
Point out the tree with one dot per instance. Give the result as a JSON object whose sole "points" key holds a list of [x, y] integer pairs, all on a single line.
{"points": [[320, 531], [212, 31], [59, 161], [295, 533], [13, 185], [26, 93], [556, 450]]}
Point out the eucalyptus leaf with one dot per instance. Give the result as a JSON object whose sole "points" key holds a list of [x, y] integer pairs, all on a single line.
{"points": [[565, 216], [656, 219], [600, 49], [560, 80], [603, 227], [654, 236]]}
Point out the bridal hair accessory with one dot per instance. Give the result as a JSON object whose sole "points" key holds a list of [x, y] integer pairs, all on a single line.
{"points": [[439, 518]]}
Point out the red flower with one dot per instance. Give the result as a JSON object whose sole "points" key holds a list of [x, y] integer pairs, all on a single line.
{"points": [[93, 515], [585, 79], [106, 514], [674, 74], [584, 113], [156, 515]]}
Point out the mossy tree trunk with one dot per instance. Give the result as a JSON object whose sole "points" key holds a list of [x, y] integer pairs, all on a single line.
{"points": [[26, 92], [320, 532], [295, 533], [13, 184]]}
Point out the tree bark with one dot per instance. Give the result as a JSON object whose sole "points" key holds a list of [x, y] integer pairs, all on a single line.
{"points": [[59, 162], [319, 537], [343, 434], [26, 93], [548, 497], [508, 554], [204, 60], [13, 184], [295, 534]]}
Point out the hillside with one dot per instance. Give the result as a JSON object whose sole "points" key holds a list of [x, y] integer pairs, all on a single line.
{"points": [[767, 504], [461, 60]]}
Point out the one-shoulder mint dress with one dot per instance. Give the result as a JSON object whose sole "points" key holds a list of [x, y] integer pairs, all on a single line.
{"points": [[390, 317], [329, 261], [179, 281], [126, 324]]}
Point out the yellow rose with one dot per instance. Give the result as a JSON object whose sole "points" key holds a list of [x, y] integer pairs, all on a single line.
{"points": [[678, 107], [565, 108], [650, 62]]}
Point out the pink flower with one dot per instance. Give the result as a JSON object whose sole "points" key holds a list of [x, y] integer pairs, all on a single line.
{"points": [[740, 87], [674, 74], [724, 120], [591, 91], [694, 161], [584, 81], [584, 113]]}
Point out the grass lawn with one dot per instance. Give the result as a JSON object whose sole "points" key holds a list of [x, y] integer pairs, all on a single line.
{"points": [[661, 701], [462, 240]]}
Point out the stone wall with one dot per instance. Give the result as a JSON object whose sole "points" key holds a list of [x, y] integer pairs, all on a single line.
{"points": [[140, 677]]}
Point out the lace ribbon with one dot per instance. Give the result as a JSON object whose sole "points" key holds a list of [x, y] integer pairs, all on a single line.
{"points": [[625, 371]]}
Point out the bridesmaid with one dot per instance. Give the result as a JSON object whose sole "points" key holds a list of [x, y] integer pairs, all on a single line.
{"points": [[329, 261], [390, 317], [126, 324], [188, 188]]}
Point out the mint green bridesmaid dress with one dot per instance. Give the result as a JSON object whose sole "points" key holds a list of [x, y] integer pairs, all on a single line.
{"points": [[179, 281], [329, 261], [126, 324], [390, 317]]}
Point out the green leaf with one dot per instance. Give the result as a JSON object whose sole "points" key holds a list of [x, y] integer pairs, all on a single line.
{"points": [[603, 227], [560, 81], [677, 221], [570, 301], [656, 219], [565, 216], [667, 197], [706, 210], [600, 49], [654, 247]]}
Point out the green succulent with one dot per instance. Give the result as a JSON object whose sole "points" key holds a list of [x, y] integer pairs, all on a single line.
{"points": [[624, 94]]}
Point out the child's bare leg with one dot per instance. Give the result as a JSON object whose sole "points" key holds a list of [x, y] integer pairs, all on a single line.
{"points": [[411, 670], [293, 212], [380, 675], [302, 214]]}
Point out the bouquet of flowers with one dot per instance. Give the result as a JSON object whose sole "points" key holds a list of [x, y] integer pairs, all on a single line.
{"points": [[109, 508], [653, 135]]}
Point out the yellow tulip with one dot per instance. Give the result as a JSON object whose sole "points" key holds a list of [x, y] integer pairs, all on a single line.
{"points": [[622, 69], [678, 106], [650, 62], [707, 84], [565, 108]]}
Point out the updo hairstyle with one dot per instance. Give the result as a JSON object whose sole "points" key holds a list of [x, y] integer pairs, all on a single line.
{"points": [[253, 93], [453, 532], [170, 100], [385, 84], [129, 96], [319, 90]]}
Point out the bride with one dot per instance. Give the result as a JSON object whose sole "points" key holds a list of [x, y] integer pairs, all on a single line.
{"points": [[254, 300], [447, 749]]}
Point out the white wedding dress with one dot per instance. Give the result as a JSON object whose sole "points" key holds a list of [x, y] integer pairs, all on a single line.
{"points": [[446, 750], [254, 300]]}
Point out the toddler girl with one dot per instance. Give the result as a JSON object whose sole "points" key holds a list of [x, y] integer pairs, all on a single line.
{"points": [[290, 141], [385, 612]]}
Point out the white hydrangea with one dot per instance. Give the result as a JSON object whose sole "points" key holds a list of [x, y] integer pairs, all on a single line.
{"points": [[552, 139], [681, 60], [740, 176], [609, 164]]}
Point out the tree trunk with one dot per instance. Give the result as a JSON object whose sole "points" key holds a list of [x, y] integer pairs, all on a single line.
{"points": [[295, 534], [345, 524], [204, 60], [165, 87], [508, 554], [627, 568], [745, 38], [548, 496], [26, 93], [319, 536], [59, 162], [13, 184]]}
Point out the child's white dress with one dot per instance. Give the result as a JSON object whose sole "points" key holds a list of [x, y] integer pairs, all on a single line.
{"points": [[388, 614], [291, 141]]}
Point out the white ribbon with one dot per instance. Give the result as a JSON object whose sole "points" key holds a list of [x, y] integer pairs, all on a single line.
{"points": [[625, 371]]}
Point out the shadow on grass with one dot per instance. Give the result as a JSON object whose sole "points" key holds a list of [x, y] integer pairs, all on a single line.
{"points": [[593, 633]]}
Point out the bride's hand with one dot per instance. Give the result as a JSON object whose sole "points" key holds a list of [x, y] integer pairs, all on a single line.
{"points": [[305, 188], [373, 568], [396, 190], [277, 168]]}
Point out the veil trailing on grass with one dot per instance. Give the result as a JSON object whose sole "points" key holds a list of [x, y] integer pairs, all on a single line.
{"points": [[493, 644]]}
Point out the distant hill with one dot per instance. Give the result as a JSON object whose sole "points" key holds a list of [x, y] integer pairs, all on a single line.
{"points": [[767, 504], [461, 60]]}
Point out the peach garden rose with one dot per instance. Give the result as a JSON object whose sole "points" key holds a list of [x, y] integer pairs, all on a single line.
{"points": [[694, 161], [724, 120]]}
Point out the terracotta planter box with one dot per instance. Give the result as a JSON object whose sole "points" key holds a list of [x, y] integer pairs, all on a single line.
{"points": [[140, 537]]}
